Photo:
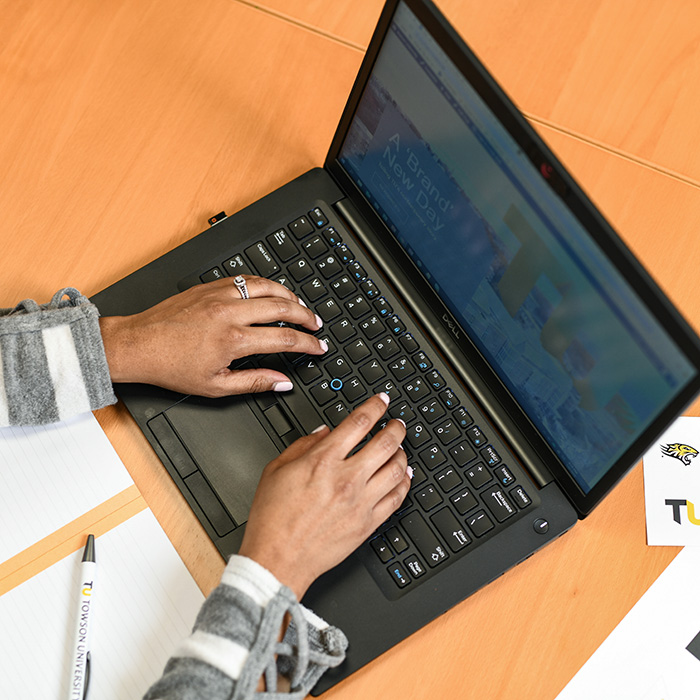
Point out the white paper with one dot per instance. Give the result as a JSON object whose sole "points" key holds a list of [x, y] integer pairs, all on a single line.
{"points": [[145, 603], [672, 486], [50, 476], [646, 656]]}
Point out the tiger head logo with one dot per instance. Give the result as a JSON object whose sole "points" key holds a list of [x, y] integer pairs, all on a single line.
{"points": [[682, 452]]}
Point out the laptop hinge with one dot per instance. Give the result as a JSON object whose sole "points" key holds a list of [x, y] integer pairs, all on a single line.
{"points": [[356, 223]]}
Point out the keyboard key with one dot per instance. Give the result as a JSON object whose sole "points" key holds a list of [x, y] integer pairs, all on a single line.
{"points": [[282, 244], [308, 371], [479, 523], [416, 389], [381, 549], [313, 289], [520, 497], [357, 306], [318, 217], [357, 351], [387, 347], [284, 280], [323, 393], [462, 453], [300, 270], [497, 502], [504, 475], [370, 289], [343, 286], [422, 536], [396, 325], [332, 236], [301, 227], [357, 271], [478, 475], [396, 539], [421, 360], [372, 372], [476, 437], [353, 389], [344, 254], [490, 456], [447, 432], [372, 327], [401, 368], [417, 435], [211, 275], [403, 411], [428, 497], [435, 379], [315, 247], [409, 343], [448, 479], [342, 330], [432, 410], [237, 266], [338, 368], [413, 564], [398, 575], [448, 397], [328, 310], [389, 388], [451, 530], [432, 457], [383, 307], [419, 476], [464, 500], [262, 260], [336, 414], [328, 340], [329, 266], [462, 418]]}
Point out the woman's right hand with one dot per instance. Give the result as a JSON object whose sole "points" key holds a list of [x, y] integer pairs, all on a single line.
{"points": [[315, 504]]}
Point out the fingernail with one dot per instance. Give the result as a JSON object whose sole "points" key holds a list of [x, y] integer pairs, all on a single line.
{"points": [[409, 471], [319, 429], [400, 421], [324, 345], [384, 397], [283, 386], [301, 301], [319, 322]]}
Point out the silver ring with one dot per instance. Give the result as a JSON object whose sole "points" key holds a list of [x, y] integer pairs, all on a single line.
{"points": [[241, 286]]}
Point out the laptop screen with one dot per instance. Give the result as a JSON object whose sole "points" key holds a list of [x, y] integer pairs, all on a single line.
{"points": [[569, 338]]}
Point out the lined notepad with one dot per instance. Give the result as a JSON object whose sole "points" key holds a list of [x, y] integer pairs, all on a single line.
{"points": [[145, 599]]}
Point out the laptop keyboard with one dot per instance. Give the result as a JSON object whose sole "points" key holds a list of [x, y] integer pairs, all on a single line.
{"points": [[466, 485]]}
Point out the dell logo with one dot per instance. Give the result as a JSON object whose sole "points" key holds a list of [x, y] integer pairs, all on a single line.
{"points": [[451, 325]]}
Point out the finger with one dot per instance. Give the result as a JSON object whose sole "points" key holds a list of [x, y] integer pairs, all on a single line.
{"points": [[387, 476], [379, 449], [302, 445], [356, 426], [272, 339], [260, 287], [392, 501], [253, 381], [275, 309]]}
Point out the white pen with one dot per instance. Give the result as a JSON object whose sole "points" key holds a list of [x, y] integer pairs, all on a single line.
{"points": [[80, 651]]}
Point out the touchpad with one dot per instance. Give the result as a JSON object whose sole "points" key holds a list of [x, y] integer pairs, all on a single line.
{"points": [[229, 445]]}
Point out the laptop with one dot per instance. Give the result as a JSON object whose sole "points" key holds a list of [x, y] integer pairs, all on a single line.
{"points": [[459, 267]]}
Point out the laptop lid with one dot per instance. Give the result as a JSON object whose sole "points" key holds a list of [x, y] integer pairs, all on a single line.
{"points": [[554, 324]]}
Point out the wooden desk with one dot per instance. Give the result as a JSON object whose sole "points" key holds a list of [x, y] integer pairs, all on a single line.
{"points": [[126, 123]]}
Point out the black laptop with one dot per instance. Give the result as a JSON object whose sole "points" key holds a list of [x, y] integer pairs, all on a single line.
{"points": [[458, 267]]}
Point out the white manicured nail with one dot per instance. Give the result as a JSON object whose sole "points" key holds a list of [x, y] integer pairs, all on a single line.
{"points": [[319, 322], [319, 429], [324, 345], [409, 471], [283, 386], [384, 397]]}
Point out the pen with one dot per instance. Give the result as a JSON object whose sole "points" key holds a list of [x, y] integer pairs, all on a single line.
{"points": [[80, 651]]}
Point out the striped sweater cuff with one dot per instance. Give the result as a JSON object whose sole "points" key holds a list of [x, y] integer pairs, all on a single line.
{"points": [[52, 361]]}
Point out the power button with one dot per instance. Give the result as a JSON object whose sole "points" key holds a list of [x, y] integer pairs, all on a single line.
{"points": [[540, 526]]}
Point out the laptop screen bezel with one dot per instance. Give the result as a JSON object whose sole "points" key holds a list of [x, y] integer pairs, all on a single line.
{"points": [[563, 184]]}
